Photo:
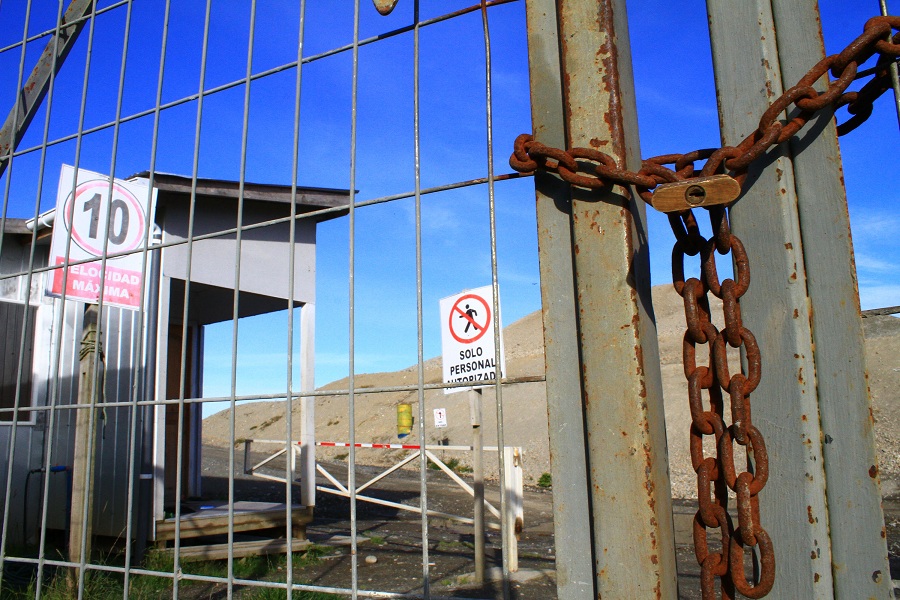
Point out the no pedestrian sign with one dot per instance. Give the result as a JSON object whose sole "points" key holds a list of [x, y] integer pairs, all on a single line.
{"points": [[467, 338], [96, 218]]}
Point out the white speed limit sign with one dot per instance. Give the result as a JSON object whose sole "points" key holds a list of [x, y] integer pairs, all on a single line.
{"points": [[101, 218]]}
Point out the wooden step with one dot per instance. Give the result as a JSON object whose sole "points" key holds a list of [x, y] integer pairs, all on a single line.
{"points": [[248, 516], [241, 549]]}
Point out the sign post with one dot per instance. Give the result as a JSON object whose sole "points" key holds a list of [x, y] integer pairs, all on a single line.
{"points": [[478, 483], [469, 354], [101, 218]]}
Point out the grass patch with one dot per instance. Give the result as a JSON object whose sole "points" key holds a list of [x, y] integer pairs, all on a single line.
{"points": [[278, 594], [102, 585], [312, 556], [271, 421], [453, 464], [545, 481], [452, 546]]}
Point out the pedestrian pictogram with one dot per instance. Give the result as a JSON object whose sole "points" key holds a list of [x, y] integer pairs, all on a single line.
{"points": [[470, 318], [467, 338]]}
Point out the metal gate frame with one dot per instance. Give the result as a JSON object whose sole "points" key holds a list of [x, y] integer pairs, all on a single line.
{"points": [[513, 484], [601, 350]]}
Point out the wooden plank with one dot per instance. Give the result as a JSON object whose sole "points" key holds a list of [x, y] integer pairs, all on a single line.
{"points": [[216, 522], [859, 552], [240, 549]]}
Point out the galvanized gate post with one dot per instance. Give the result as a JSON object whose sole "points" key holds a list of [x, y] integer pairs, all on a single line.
{"points": [[604, 393], [822, 503]]}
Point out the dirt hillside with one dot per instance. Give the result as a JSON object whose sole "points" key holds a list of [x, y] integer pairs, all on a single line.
{"points": [[524, 404]]}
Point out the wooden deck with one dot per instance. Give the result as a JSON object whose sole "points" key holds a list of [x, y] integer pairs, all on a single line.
{"points": [[211, 519]]}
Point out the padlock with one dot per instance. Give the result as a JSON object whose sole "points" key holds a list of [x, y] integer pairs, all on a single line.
{"points": [[693, 193]]}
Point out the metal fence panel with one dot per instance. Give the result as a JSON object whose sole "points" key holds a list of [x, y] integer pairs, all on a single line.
{"points": [[166, 87]]}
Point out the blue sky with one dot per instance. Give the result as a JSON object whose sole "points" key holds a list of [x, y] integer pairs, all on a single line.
{"points": [[676, 112]]}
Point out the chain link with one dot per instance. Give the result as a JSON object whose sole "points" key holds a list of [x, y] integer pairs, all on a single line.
{"points": [[717, 474]]}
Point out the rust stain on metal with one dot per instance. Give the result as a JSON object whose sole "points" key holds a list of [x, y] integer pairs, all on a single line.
{"points": [[816, 578], [608, 57], [809, 514], [598, 143], [796, 315], [789, 246], [873, 471], [639, 356]]}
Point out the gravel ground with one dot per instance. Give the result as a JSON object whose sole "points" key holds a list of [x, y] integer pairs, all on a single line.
{"points": [[393, 537], [525, 425]]}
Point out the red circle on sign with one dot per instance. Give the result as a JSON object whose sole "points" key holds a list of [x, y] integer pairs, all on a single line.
{"points": [[457, 311], [133, 207]]}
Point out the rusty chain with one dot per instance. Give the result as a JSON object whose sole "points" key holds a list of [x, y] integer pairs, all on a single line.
{"points": [[602, 170], [716, 475]]}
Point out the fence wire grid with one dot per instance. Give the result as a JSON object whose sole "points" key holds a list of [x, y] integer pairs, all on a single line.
{"points": [[329, 113], [295, 187]]}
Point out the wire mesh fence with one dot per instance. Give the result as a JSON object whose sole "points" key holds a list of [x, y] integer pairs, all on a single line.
{"points": [[179, 180]]}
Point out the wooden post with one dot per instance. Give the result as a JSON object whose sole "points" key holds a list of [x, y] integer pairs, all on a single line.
{"points": [[308, 406], [85, 447]]}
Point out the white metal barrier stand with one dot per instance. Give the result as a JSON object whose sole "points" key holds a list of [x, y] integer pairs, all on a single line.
{"points": [[513, 483]]}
